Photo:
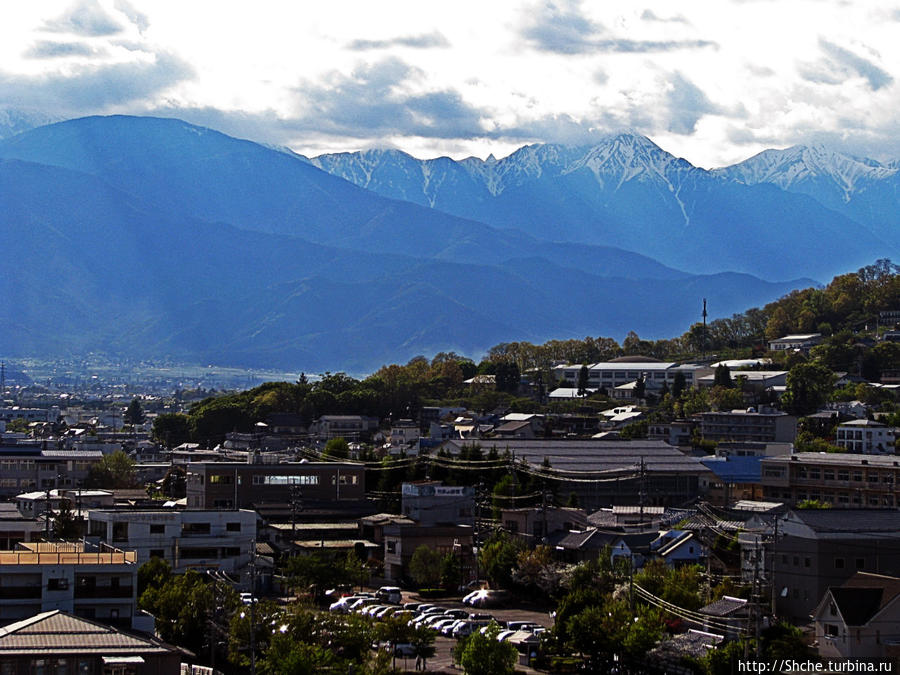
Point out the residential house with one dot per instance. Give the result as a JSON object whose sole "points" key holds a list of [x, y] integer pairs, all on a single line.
{"points": [[858, 619], [432, 503], [766, 425]]}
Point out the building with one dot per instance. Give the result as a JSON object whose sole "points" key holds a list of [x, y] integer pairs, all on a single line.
{"points": [[405, 437], [858, 619], [842, 479], [230, 485], [801, 343], [534, 523], [31, 467], [16, 528], [185, 539], [58, 642], [402, 539], [91, 582], [816, 549], [866, 436], [611, 374], [348, 427], [604, 473], [765, 426], [431, 503]]}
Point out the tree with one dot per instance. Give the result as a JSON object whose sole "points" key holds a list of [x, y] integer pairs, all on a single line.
{"points": [[498, 557], [678, 384], [134, 413], [451, 572], [722, 377], [507, 376], [583, 375], [65, 526], [153, 574], [481, 654], [171, 429], [337, 447], [113, 471], [425, 567], [808, 386]]}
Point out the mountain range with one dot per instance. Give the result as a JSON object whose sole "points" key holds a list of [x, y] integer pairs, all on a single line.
{"points": [[156, 238]]}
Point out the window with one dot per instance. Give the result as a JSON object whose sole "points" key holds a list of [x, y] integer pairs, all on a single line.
{"points": [[157, 528], [831, 630], [157, 553], [232, 552], [807, 562], [860, 563], [232, 527], [843, 474], [838, 563], [120, 532], [829, 474], [57, 584], [391, 546], [221, 479], [195, 528]]}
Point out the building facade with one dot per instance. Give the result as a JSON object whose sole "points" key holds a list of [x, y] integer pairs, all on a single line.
{"points": [[866, 437], [766, 426]]}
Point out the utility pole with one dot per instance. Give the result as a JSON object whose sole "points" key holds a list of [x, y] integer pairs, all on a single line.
{"points": [[296, 506], [253, 607], [703, 348]]}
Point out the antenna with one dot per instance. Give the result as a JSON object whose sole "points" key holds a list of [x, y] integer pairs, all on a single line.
{"points": [[703, 348]]}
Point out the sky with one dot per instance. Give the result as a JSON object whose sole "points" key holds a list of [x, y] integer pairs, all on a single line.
{"points": [[713, 82]]}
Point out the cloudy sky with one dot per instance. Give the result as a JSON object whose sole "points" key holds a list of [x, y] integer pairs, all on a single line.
{"points": [[714, 82]]}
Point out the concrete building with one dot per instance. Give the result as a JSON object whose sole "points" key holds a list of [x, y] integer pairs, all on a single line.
{"points": [[842, 479], [611, 374], [401, 541], [802, 343], [26, 468], [94, 583], [431, 503], [230, 485], [816, 549], [348, 427], [765, 426], [866, 437], [185, 539], [405, 437]]}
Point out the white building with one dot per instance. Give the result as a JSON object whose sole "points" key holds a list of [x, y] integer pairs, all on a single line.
{"points": [[611, 374], [185, 539], [867, 437], [801, 343]]}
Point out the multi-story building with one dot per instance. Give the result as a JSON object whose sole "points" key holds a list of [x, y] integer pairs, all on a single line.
{"points": [[842, 479], [230, 485], [348, 427], [611, 374], [92, 582], [431, 503], [801, 343], [815, 549], [185, 539], [867, 437], [26, 468], [402, 539], [765, 426]]}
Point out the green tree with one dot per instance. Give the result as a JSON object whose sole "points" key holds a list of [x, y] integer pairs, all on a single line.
{"points": [[338, 448], [722, 377], [498, 558], [154, 573], [115, 470], [171, 429], [583, 375], [678, 384], [808, 386], [451, 572], [482, 654], [134, 413], [425, 567], [65, 525]]}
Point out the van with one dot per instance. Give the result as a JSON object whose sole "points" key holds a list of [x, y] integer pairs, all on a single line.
{"points": [[390, 594]]}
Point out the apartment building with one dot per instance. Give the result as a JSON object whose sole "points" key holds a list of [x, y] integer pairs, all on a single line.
{"points": [[867, 437], [230, 485], [31, 467], [87, 581], [185, 539], [842, 479], [764, 426]]}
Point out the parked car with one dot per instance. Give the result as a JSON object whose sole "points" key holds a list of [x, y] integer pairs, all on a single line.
{"points": [[390, 594]]}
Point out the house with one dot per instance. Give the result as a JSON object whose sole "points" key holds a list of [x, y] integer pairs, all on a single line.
{"points": [[16, 528], [678, 547], [348, 427], [859, 618], [405, 437], [729, 615], [57, 641], [534, 523], [867, 437], [402, 539]]}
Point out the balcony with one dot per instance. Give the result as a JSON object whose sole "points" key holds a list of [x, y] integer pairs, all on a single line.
{"points": [[20, 593], [100, 592]]}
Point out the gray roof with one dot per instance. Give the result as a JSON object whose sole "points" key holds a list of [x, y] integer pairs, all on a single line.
{"points": [[849, 520], [726, 606], [56, 632], [596, 456]]}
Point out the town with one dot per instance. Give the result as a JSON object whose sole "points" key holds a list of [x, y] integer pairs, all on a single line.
{"points": [[577, 505]]}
